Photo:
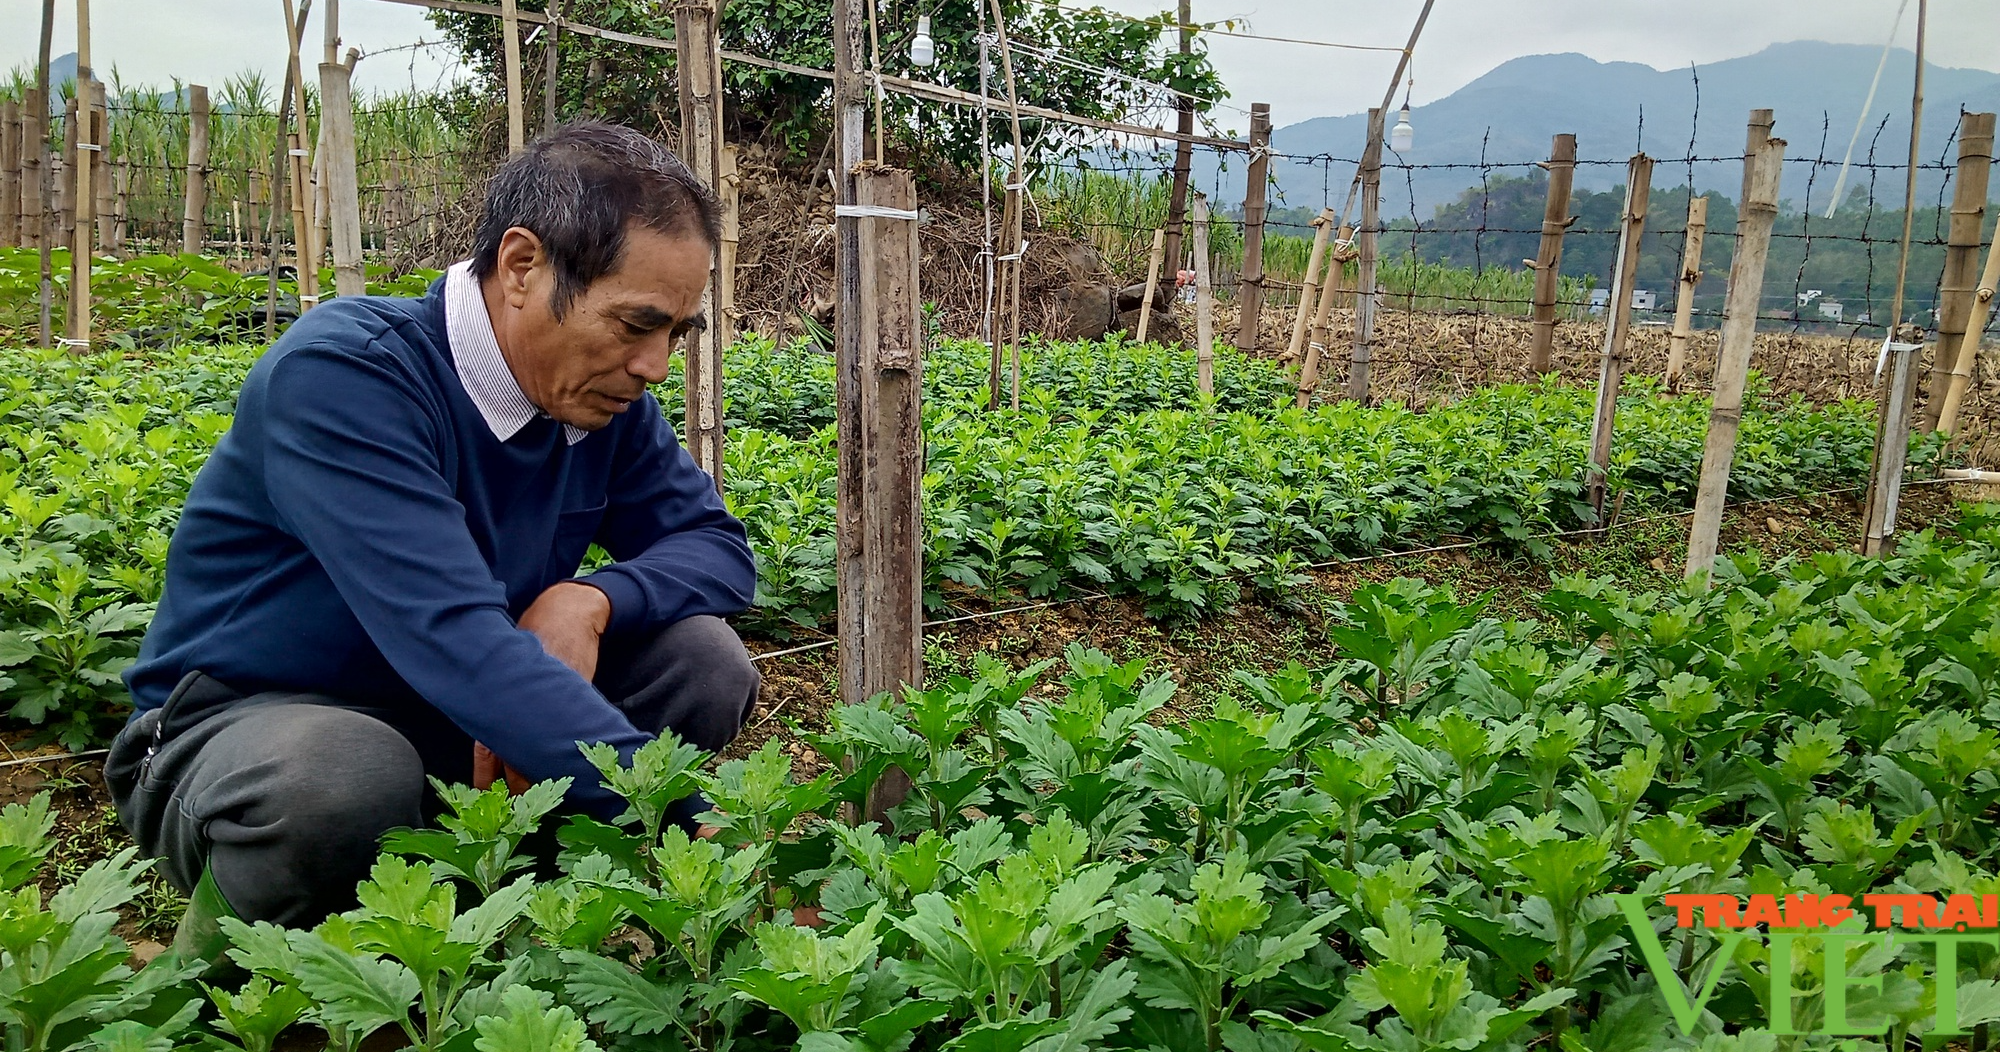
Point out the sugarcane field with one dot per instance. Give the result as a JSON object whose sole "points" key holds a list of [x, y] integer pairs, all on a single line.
{"points": [[999, 526]]}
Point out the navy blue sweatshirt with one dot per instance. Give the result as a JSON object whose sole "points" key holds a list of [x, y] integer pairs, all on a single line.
{"points": [[360, 532]]}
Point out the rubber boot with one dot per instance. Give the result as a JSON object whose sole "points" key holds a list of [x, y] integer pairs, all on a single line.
{"points": [[200, 936]]}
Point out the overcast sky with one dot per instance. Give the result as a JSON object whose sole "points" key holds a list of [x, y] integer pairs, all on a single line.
{"points": [[205, 41]]}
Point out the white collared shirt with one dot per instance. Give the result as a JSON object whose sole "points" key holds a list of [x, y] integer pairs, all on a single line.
{"points": [[475, 353]]}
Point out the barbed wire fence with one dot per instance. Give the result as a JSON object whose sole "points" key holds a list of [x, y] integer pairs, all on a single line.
{"points": [[1453, 294]]}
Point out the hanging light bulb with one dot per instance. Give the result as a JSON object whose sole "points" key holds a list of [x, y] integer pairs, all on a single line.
{"points": [[923, 50], [1402, 135]]}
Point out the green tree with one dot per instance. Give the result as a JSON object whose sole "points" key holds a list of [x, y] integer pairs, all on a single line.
{"points": [[1098, 57]]}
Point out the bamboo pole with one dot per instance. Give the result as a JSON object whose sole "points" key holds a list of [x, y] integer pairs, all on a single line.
{"points": [[1739, 337], [700, 92], [1204, 302], [1975, 329], [1152, 282], [121, 209], [103, 208], [63, 173], [725, 320], [1177, 200], [45, 219], [84, 199], [1014, 258], [343, 187], [259, 191], [1690, 279], [10, 173], [1611, 367], [34, 146], [1309, 291], [1892, 439], [550, 55], [1547, 263], [1321, 322], [510, 44], [1250, 291], [1366, 299], [305, 225], [1961, 261], [196, 205]]}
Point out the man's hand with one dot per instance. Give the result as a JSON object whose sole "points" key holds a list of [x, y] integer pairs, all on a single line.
{"points": [[569, 619]]}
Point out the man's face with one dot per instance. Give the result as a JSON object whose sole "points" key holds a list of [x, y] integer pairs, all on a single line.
{"points": [[618, 333]]}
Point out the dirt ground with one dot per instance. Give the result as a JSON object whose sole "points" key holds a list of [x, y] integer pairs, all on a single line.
{"points": [[1424, 357]]}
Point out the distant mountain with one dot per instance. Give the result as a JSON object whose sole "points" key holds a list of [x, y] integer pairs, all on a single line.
{"points": [[1510, 114]]}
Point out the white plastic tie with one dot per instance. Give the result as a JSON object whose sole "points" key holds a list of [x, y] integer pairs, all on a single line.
{"points": [[1015, 256], [1889, 344], [296, 153], [91, 146], [873, 212], [64, 341], [1015, 186]]}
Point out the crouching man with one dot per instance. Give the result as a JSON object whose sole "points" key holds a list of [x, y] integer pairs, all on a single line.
{"points": [[376, 569]]}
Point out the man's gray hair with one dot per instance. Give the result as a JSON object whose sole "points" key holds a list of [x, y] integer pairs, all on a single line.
{"points": [[578, 188]]}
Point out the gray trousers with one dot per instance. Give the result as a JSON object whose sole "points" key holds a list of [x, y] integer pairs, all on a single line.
{"points": [[285, 796]]}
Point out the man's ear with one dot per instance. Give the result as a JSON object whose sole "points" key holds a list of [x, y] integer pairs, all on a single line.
{"points": [[520, 253]]}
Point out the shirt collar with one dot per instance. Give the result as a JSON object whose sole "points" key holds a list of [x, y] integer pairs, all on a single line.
{"points": [[475, 354]]}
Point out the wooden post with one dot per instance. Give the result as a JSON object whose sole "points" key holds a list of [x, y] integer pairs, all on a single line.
{"points": [[343, 187], [1183, 149], [1309, 289], [1739, 337], [1322, 316], [1892, 435], [1547, 264], [10, 173], [701, 147], [1152, 282], [1975, 329], [1758, 133], [881, 459], [103, 207], [1365, 298], [1611, 367], [1204, 302], [1250, 291], [196, 209], [878, 383], [1961, 261], [1690, 279], [510, 44]]}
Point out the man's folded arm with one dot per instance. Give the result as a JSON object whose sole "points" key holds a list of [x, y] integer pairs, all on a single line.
{"points": [[680, 553], [351, 468]]}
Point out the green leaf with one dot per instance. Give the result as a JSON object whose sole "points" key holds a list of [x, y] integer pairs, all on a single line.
{"points": [[530, 1025], [361, 993]]}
